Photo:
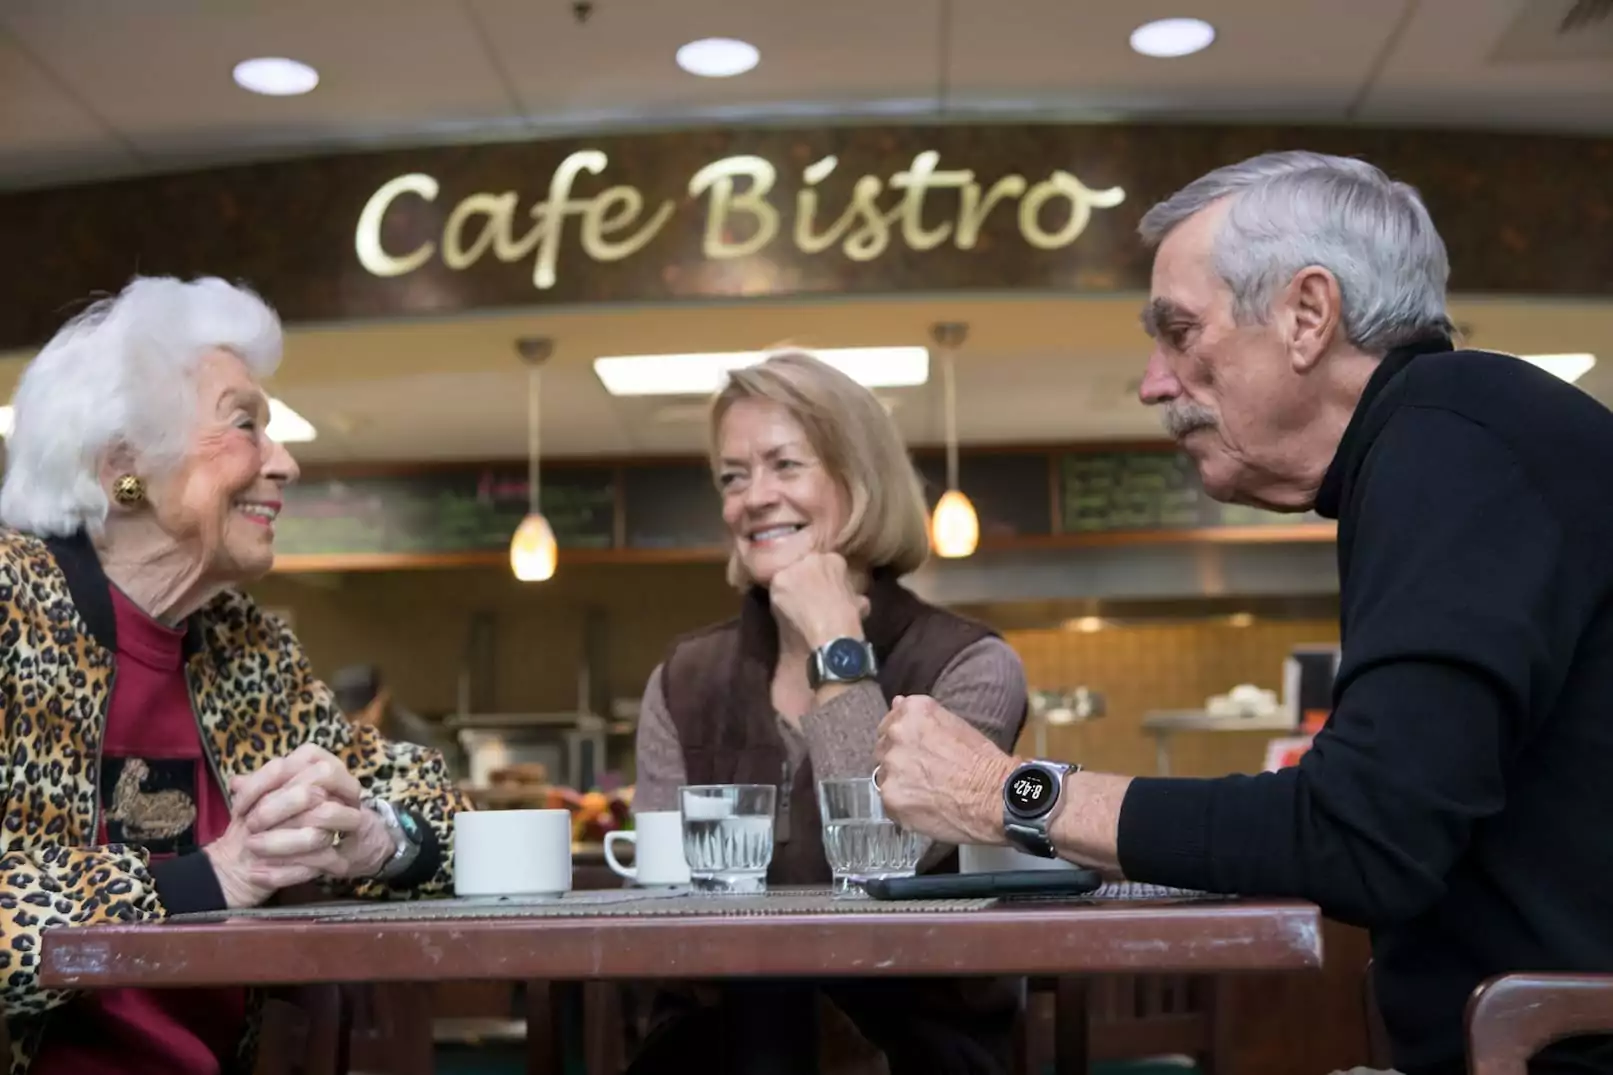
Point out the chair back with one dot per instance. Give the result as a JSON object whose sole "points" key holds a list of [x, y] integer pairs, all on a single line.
{"points": [[1512, 1017]]}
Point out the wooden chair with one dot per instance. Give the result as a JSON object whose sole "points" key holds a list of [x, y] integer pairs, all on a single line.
{"points": [[307, 1030], [1129, 1017], [1512, 1017]]}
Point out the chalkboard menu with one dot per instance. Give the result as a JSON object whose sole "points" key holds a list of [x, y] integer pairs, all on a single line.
{"points": [[471, 510], [673, 506], [1147, 490], [1009, 490]]}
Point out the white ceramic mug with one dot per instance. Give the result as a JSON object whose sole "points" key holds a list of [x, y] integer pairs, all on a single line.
{"points": [[512, 852], [657, 840]]}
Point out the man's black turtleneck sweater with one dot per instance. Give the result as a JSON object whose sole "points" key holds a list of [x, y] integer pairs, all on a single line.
{"points": [[1459, 801]]}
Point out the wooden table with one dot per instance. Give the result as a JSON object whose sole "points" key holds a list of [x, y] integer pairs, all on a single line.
{"points": [[1194, 937]]}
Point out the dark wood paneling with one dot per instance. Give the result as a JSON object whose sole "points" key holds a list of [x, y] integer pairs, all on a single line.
{"points": [[1520, 214]]}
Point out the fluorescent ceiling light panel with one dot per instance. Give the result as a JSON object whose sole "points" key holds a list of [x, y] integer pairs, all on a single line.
{"points": [[703, 374], [1569, 367], [287, 426]]}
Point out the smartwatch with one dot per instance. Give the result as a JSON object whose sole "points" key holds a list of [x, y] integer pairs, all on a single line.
{"points": [[406, 837], [845, 660], [1031, 799]]}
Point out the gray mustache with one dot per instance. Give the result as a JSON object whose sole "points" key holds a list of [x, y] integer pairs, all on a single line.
{"points": [[1183, 417]]}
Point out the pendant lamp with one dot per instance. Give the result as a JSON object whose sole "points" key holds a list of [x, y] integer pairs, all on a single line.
{"points": [[954, 526], [532, 549]]}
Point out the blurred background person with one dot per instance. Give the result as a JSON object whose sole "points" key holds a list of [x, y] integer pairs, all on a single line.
{"points": [[363, 694], [185, 757]]}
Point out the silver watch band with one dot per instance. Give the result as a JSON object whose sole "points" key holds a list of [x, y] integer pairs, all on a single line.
{"points": [[1031, 834], [406, 848]]}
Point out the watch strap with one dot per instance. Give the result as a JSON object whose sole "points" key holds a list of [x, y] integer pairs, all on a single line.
{"points": [[1032, 835], [406, 842], [819, 672]]}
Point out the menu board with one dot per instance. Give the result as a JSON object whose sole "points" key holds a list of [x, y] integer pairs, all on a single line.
{"points": [[1009, 490], [1147, 490], [471, 510], [673, 506]]}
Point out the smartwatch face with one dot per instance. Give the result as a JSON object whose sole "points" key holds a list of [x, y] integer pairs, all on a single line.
{"points": [[1031, 792], [846, 658]]}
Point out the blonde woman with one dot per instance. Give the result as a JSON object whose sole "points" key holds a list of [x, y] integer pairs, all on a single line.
{"points": [[825, 514]]}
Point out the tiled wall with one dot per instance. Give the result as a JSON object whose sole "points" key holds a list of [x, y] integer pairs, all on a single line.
{"points": [[1168, 666]]}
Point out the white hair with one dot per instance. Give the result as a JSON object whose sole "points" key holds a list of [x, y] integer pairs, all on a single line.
{"points": [[121, 375], [1296, 209]]}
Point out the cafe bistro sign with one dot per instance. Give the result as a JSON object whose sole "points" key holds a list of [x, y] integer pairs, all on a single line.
{"points": [[922, 206], [750, 212]]}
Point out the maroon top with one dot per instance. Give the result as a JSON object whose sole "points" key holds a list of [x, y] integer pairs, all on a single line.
{"points": [[157, 791]]}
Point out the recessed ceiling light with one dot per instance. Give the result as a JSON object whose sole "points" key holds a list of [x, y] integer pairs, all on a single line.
{"points": [[718, 57], [1569, 367], [275, 76], [703, 374], [1167, 38]]}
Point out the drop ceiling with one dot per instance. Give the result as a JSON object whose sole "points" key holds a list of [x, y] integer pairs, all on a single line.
{"points": [[94, 88]]}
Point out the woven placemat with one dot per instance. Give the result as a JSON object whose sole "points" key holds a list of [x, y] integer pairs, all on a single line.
{"points": [[634, 903]]}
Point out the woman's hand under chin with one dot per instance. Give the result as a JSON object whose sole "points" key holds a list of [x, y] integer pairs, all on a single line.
{"points": [[816, 597]]}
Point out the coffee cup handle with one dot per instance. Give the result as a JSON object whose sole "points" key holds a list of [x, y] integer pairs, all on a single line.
{"points": [[631, 873]]}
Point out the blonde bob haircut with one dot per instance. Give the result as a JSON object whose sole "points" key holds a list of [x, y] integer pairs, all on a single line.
{"points": [[859, 445]]}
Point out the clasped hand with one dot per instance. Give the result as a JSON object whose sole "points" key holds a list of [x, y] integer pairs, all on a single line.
{"points": [[296, 820]]}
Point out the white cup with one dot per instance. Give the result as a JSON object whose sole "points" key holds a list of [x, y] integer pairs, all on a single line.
{"points": [[657, 840], [512, 852]]}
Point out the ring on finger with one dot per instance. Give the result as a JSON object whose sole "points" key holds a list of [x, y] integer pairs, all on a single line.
{"points": [[335, 839]]}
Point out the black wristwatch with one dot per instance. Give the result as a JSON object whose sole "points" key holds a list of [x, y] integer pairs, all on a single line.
{"points": [[1031, 799], [844, 660]]}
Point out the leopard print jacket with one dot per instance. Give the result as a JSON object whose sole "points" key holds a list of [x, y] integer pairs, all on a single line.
{"points": [[256, 699]]}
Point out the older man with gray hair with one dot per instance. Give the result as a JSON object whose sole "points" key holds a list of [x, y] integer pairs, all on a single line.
{"points": [[1458, 802]]}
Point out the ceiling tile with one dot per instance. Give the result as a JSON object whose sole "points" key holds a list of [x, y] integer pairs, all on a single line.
{"points": [[160, 71], [44, 131], [1270, 58], [620, 66], [1465, 62]]}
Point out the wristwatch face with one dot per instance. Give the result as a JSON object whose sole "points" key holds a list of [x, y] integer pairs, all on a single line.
{"points": [[845, 658], [1031, 792]]}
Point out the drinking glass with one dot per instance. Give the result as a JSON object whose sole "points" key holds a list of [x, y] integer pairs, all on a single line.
{"points": [[860, 841], [728, 836]]}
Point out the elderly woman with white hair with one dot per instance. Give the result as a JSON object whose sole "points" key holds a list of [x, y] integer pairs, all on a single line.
{"points": [[167, 748]]}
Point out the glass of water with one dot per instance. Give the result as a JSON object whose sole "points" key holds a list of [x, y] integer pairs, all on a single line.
{"points": [[860, 841], [728, 835]]}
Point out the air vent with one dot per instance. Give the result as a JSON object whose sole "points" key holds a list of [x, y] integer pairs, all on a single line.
{"points": [[1557, 30]]}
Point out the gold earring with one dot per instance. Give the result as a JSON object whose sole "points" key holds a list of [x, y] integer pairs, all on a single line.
{"points": [[128, 490]]}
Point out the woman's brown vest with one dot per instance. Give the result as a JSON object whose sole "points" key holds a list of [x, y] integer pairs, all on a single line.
{"points": [[718, 687]]}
